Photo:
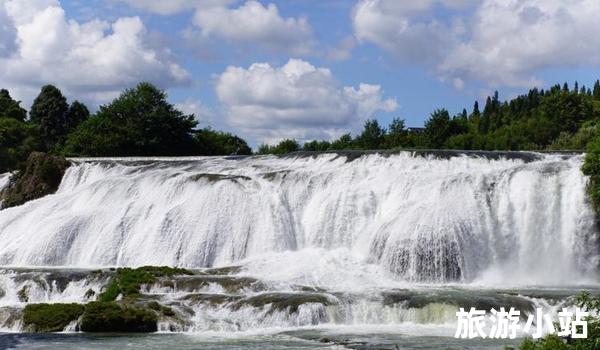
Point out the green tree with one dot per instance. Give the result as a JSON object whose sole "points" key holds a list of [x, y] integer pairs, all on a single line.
{"points": [[596, 91], [316, 146], [140, 122], [10, 108], [345, 142], [49, 111], [372, 136], [17, 140], [437, 128], [396, 135], [283, 147], [218, 143], [77, 114]]}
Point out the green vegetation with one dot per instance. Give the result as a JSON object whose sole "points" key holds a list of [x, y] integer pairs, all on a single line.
{"points": [[127, 282], [112, 317], [50, 317], [285, 146], [139, 122], [592, 342], [215, 143], [557, 118], [41, 175]]}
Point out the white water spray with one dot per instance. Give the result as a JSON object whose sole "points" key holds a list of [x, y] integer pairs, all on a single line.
{"points": [[416, 218]]}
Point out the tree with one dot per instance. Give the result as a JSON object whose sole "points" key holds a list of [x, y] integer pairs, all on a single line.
{"points": [[49, 112], [437, 128], [77, 114], [596, 91], [372, 136], [316, 146], [10, 108], [343, 143], [140, 122], [17, 140], [397, 134], [283, 147], [218, 143]]}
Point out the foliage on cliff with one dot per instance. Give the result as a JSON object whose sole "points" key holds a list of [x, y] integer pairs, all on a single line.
{"points": [[39, 176]]}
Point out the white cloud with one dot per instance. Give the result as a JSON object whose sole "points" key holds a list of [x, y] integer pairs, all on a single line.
{"points": [[511, 40], [92, 61], [343, 50], [171, 7], [296, 100], [255, 24], [405, 29], [203, 113], [497, 42], [249, 24]]}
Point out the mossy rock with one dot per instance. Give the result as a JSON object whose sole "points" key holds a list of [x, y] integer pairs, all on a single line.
{"points": [[45, 318], [231, 284], [106, 317], [40, 176], [227, 270], [127, 282], [211, 299], [283, 301]]}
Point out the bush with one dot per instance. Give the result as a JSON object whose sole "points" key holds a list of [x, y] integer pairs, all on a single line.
{"points": [[591, 168], [50, 317], [112, 317]]}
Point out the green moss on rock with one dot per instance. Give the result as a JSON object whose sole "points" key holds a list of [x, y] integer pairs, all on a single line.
{"points": [[40, 176], [283, 301], [44, 318], [108, 317], [128, 282]]}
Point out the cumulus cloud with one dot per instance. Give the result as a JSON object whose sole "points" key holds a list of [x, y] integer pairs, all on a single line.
{"points": [[92, 61], [171, 7], [296, 100], [497, 42], [249, 24], [203, 114], [511, 40], [403, 28], [257, 24]]}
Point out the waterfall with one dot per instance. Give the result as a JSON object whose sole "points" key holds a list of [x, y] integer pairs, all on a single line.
{"points": [[412, 218]]}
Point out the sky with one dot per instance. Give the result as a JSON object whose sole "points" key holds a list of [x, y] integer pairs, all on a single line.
{"points": [[304, 69]]}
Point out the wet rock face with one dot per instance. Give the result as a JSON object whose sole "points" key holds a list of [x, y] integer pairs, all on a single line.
{"points": [[41, 175]]}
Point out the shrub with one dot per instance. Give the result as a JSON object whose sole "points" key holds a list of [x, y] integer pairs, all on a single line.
{"points": [[50, 317], [112, 317]]}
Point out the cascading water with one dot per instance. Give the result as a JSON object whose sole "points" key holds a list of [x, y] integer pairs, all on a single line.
{"points": [[423, 218], [327, 239]]}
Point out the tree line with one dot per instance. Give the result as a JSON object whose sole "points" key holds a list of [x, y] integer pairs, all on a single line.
{"points": [[140, 122], [560, 118]]}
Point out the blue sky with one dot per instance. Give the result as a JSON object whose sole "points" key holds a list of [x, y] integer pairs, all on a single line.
{"points": [[307, 69]]}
